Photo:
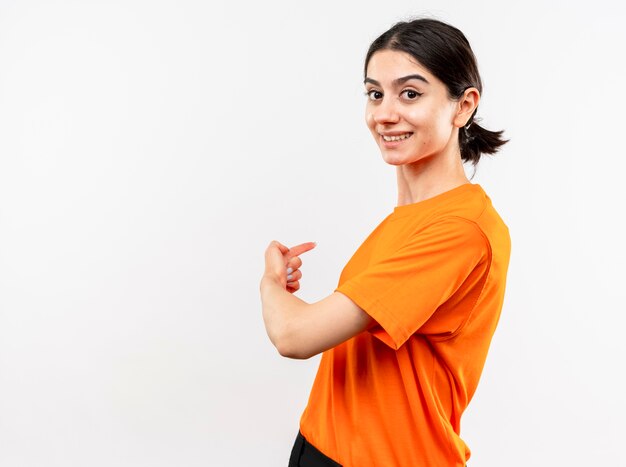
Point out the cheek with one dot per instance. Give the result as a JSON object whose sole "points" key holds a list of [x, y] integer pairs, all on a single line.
{"points": [[418, 118], [430, 123], [415, 118]]}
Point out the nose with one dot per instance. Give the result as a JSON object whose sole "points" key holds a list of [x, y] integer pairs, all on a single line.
{"points": [[386, 112]]}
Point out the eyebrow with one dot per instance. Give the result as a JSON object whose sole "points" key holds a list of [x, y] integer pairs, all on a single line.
{"points": [[398, 81]]}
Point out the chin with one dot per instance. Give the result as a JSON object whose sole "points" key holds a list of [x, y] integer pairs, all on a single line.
{"points": [[400, 159], [394, 160]]}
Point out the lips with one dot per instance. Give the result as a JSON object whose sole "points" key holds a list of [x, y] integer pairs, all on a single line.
{"points": [[396, 137], [393, 140]]}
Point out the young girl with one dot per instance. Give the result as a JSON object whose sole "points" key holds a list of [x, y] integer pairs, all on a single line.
{"points": [[406, 332]]}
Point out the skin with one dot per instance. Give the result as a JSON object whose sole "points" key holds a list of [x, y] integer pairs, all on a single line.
{"points": [[427, 163]]}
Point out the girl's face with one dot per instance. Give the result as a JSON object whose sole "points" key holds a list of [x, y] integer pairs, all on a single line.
{"points": [[408, 110]]}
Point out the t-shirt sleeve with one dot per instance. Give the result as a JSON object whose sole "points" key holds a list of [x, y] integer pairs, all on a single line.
{"points": [[404, 289]]}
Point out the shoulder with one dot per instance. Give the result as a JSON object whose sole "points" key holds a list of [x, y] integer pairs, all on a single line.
{"points": [[455, 227], [450, 238]]}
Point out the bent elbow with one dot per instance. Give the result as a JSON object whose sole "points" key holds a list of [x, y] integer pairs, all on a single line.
{"points": [[291, 348], [294, 354]]}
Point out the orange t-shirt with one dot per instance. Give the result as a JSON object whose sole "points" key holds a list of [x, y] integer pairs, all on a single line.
{"points": [[432, 274]]}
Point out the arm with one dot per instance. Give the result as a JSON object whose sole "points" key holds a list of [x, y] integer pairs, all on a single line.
{"points": [[301, 330]]}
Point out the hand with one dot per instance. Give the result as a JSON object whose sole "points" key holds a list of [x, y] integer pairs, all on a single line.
{"points": [[278, 258]]}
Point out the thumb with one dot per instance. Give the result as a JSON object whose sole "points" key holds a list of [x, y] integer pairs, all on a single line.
{"points": [[283, 249]]}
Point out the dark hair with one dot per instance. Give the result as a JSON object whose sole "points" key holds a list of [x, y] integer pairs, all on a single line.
{"points": [[446, 53]]}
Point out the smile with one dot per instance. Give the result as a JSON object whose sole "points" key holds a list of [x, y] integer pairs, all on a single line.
{"points": [[397, 138]]}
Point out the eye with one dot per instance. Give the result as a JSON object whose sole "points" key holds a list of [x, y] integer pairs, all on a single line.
{"points": [[411, 94], [373, 95]]}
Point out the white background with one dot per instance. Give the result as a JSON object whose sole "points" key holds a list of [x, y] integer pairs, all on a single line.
{"points": [[150, 151]]}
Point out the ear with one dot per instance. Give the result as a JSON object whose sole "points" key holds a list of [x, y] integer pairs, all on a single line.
{"points": [[466, 105]]}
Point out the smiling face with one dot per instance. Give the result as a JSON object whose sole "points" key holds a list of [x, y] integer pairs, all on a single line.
{"points": [[408, 109]]}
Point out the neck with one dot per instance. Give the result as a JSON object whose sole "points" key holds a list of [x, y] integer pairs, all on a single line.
{"points": [[429, 177]]}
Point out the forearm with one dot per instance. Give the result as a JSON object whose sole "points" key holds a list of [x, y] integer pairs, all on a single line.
{"points": [[280, 309]]}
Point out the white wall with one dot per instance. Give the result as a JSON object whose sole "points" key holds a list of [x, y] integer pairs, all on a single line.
{"points": [[149, 152]]}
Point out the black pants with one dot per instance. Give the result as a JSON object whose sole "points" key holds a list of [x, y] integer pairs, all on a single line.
{"points": [[304, 454]]}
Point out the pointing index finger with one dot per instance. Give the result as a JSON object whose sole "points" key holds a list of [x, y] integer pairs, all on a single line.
{"points": [[302, 248]]}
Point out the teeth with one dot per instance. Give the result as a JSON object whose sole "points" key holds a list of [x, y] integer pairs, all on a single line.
{"points": [[396, 138]]}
